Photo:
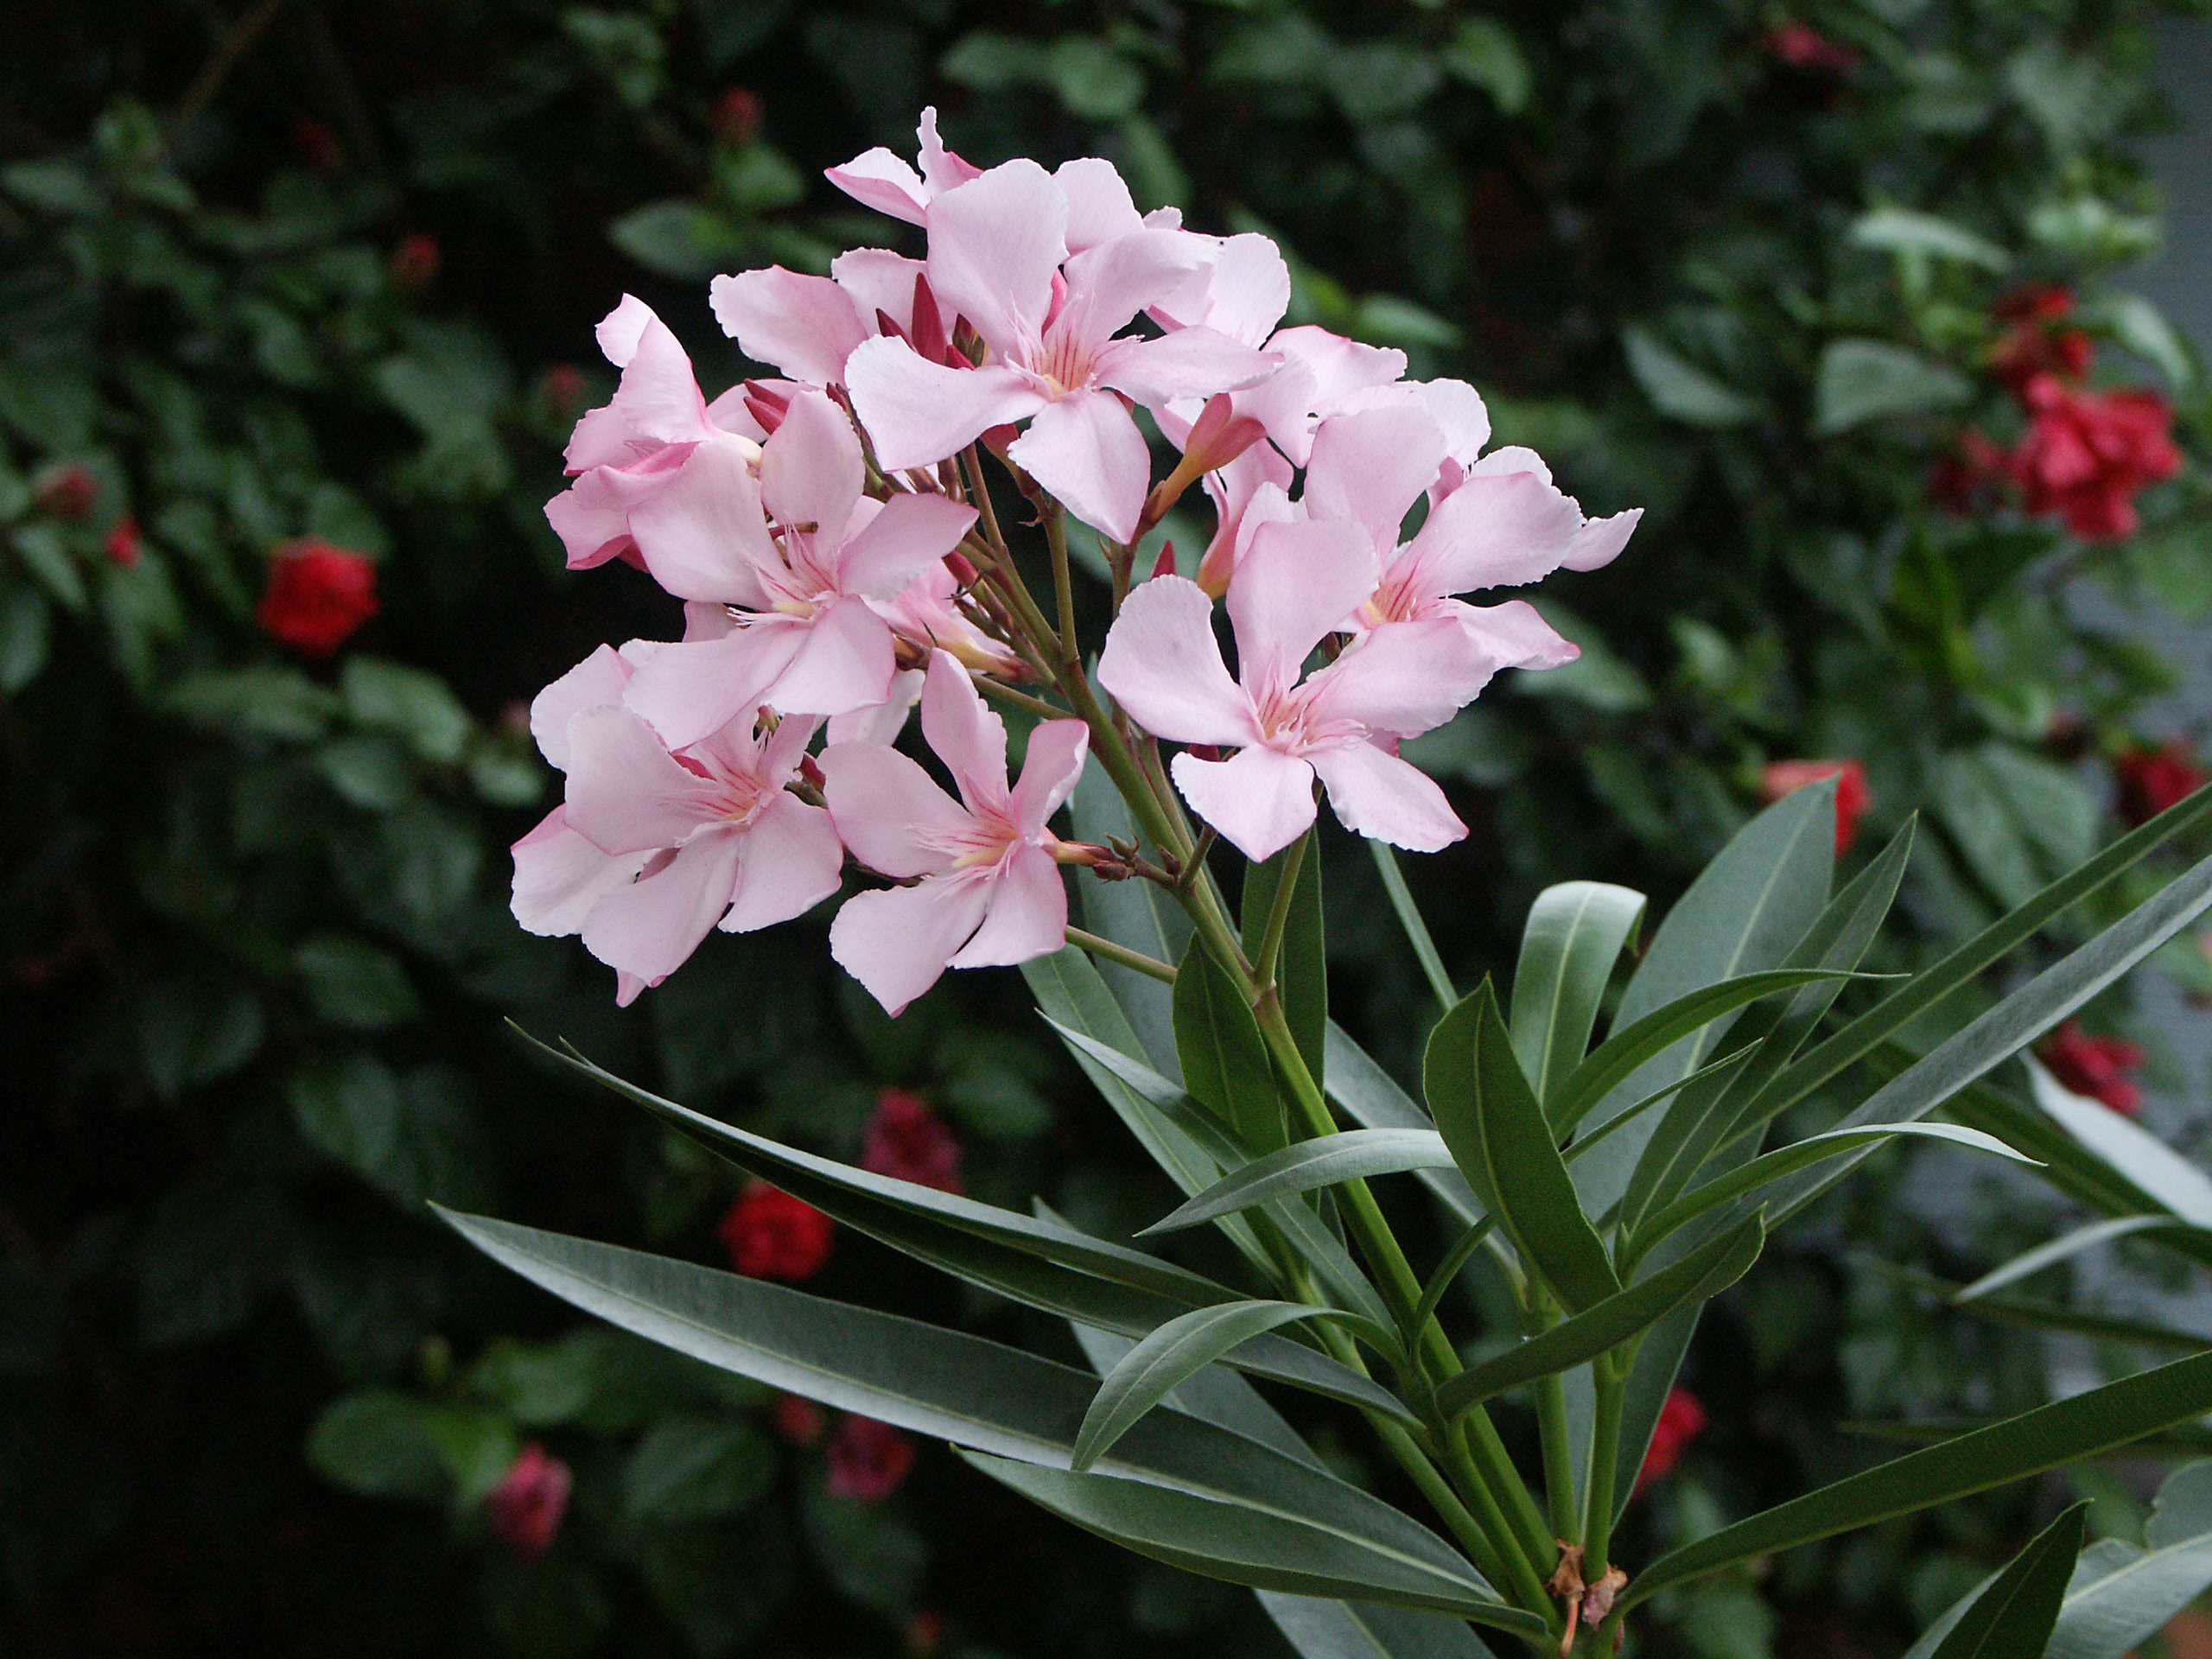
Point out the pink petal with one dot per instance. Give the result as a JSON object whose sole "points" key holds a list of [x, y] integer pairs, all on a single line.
{"points": [[1108, 284], [1495, 530], [1298, 581], [898, 941], [878, 280], [789, 860], [729, 413], [918, 412], [656, 403], [1246, 293], [995, 244], [844, 661], [1371, 467], [964, 734], [1459, 409], [1403, 677], [1189, 363], [1379, 795], [559, 876], [620, 329], [882, 723], [811, 469], [1028, 913], [599, 678], [1049, 771], [1099, 208], [941, 169], [702, 534], [1597, 542], [1514, 635], [650, 927], [1260, 800], [1163, 664], [692, 689], [889, 811], [805, 326], [1340, 366], [626, 792], [592, 516], [1509, 458], [878, 179], [912, 533], [1086, 448]]}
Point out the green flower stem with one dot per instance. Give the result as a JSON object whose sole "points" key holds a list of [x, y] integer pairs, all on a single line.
{"points": [[1610, 1375], [979, 493], [1121, 953], [999, 691], [1549, 1394], [1526, 1577], [1263, 967]]}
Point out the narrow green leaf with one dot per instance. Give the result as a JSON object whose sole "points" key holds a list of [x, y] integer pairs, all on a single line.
{"points": [[1490, 1119], [1133, 913], [1269, 1546], [2121, 1594], [1165, 1357], [1365, 1629], [1804, 1155], [1225, 1064], [2012, 1616], [2067, 1244], [2084, 1425], [1302, 970], [1699, 1276], [1216, 1395], [1409, 913], [1307, 1165], [2146, 1161], [1575, 933], [1374, 1099]]}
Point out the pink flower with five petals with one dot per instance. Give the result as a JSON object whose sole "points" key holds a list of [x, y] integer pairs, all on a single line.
{"points": [[989, 891]]}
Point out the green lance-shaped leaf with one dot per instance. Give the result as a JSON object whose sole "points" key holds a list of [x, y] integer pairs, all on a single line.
{"points": [[2067, 1244], [2012, 1615], [2005, 1029], [2120, 1594], [1137, 914], [1216, 1395], [1626, 1052], [1364, 1629], [1164, 1358], [2086, 1425], [1302, 967], [1575, 934], [1490, 1119], [1225, 1064], [1307, 1165], [1267, 1545], [944, 1384], [1039, 1263], [1861, 1037], [1699, 1276], [2148, 1163], [1804, 1155], [1373, 1100]]}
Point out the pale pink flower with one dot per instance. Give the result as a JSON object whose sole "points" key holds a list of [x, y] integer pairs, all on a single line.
{"points": [[999, 256], [1299, 582], [880, 180], [653, 848], [812, 574], [654, 458], [989, 891], [807, 327]]}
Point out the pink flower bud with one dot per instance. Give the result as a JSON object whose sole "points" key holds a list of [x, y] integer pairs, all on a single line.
{"points": [[525, 1508]]}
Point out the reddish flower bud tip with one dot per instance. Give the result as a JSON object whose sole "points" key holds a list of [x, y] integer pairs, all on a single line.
{"points": [[963, 570], [1782, 778], [798, 1420], [122, 544], [1164, 564], [924, 1633], [736, 116], [2151, 780], [415, 262], [771, 1235], [909, 1142], [2101, 1068], [65, 491], [1682, 1420], [525, 1508], [868, 1460], [318, 595]]}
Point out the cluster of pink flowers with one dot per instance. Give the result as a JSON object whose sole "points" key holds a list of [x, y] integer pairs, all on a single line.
{"points": [[838, 563], [2084, 454]]}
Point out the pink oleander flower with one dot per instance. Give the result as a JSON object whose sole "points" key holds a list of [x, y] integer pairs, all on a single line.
{"points": [[807, 327], [655, 846], [990, 890], [1003, 254], [654, 461], [526, 1507], [816, 573], [1299, 582], [880, 180], [909, 1142]]}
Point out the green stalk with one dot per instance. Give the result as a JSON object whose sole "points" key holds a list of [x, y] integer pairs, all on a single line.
{"points": [[1610, 1375], [1263, 966], [1526, 1577], [1550, 1396], [1416, 931], [1121, 953]]}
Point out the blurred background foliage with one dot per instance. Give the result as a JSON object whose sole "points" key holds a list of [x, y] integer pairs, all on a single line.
{"points": [[306, 271]]}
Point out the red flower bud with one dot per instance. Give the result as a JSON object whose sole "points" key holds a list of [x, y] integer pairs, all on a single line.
{"points": [[525, 1508], [868, 1460], [415, 262], [2100, 1067], [1782, 778], [563, 389], [1681, 1421], [799, 1420], [772, 1235], [1798, 45], [317, 595], [122, 544], [907, 1141], [65, 491]]}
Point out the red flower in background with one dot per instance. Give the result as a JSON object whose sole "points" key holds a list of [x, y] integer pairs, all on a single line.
{"points": [[2087, 452], [2034, 345], [798, 1420], [525, 1508], [317, 594], [122, 544], [415, 261], [1782, 778], [736, 118], [772, 1235], [1962, 480], [65, 491], [1682, 1420], [2151, 780], [909, 1142], [1797, 45], [868, 1460], [2100, 1067]]}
